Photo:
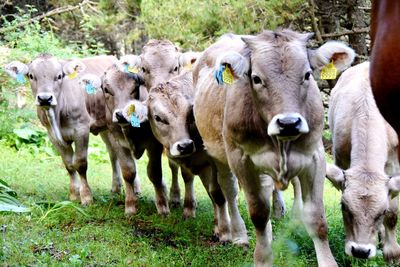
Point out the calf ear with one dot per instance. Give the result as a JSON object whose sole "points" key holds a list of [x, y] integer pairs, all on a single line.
{"points": [[16, 68], [187, 59], [340, 54], [73, 68], [335, 175], [130, 64], [238, 64], [90, 83], [394, 185]]}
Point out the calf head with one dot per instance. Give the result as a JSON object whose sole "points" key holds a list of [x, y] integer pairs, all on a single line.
{"points": [[120, 84], [171, 117], [365, 201], [46, 74], [161, 60], [279, 68]]}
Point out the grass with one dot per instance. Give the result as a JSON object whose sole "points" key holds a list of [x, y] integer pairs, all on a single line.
{"points": [[100, 235]]}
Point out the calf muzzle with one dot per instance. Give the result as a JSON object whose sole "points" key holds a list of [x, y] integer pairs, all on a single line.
{"points": [[183, 148], [287, 126]]}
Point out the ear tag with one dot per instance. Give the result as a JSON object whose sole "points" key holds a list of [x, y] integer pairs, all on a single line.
{"points": [[90, 89], [188, 66], [218, 74], [329, 72], [227, 76], [20, 78], [131, 110], [135, 121], [128, 69], [72, 75]]}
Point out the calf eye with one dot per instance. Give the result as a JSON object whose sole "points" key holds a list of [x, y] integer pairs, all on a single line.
{"points": [[107, 91], [307, 75], [30, 76], [256, 79], [144, 70], [59, 77], [176, 69], [159, 119]]}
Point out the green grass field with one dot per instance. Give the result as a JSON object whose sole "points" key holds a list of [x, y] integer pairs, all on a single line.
{"points": [[100, 235]]}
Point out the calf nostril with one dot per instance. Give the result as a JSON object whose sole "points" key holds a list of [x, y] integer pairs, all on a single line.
{"points": [[185, 147]]}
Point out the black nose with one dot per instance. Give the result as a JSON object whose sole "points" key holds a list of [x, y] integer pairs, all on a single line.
{"points": [[185, 147], [44, 100], [120, 117], [289, 126], [360, 252]]}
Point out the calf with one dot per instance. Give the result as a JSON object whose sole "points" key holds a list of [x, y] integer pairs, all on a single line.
{"points": [[170, 107], [364, 149], [260, 114], [161, 60], [69, 114], [120, 86]]}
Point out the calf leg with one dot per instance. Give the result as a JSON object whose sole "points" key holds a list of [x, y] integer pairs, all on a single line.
{"points": [[189, 204], [80, 163], [221, 218], [391, 249], [229, 187], [278, 204], [312, 185], [128, 168], [297, 202], [67, 155], [174, 192], [155, 174], [116, 172]]}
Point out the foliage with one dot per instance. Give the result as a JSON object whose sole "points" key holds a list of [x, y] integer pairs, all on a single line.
{"points": [[8, 199], [196, 24]]}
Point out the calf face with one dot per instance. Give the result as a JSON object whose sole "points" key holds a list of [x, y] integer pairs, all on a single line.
{"points": [[159, 61], [365, 202], [46, 74], [171, 118], [280, 68]]}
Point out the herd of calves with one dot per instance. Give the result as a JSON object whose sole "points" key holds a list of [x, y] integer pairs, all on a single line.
{"points": [[246, 111]]}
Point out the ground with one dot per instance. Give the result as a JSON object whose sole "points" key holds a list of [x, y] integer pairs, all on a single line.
{"points": [[59, 233]]}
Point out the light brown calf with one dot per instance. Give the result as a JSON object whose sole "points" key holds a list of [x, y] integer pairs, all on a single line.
{"points": [[267, 124], [364, 149]]}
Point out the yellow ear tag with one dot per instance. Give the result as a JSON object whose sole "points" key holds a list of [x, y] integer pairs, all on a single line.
{"points": [[131, 109], [133, 70], [227, 76], [72, 75], [329, 72], [188, 66]]}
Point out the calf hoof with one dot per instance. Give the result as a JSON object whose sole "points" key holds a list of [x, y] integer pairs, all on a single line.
{"points": [[86, 200], [130, 211], [189, 213], [392, 254], [163, 210], [74, 197], [241, 242], [175, 203]]}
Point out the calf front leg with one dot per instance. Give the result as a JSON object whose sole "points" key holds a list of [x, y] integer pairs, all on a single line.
{"points": [[189, 203], [312, 185], [174, 192], [128, 168], [154, 172], [229, 187], [116, 172], [80, 163], [391, 249], [67, 155]]}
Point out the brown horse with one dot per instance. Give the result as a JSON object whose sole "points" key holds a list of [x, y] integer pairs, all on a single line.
{"points": [[385, 59]]}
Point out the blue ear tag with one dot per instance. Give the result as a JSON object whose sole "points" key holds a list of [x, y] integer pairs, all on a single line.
{"points": [[90, 89], [20, 78], [218, 74], [126, 68], [135, 121]]}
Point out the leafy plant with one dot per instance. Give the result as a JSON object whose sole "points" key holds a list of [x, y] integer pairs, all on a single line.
{"points": [[8, 199]]}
